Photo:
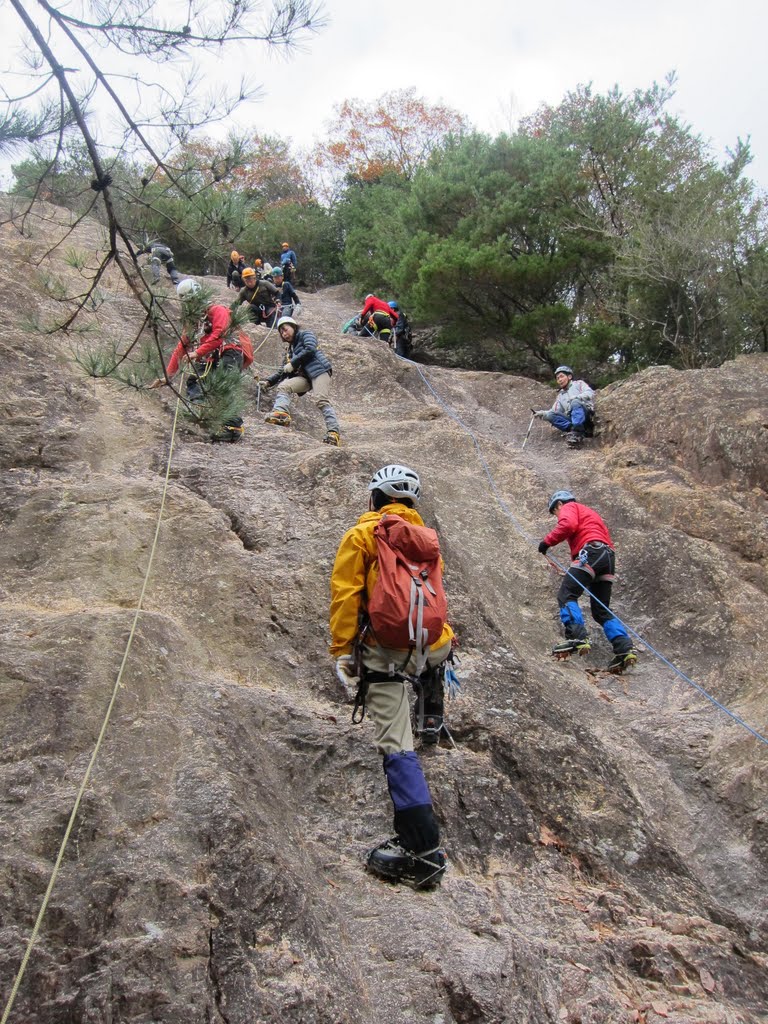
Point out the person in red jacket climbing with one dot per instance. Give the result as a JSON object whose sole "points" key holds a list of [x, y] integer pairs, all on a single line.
{"points": [[211, 347], [377, 318], [214, 348], [593, 564]]}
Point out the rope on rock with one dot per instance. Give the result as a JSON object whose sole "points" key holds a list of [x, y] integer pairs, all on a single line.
{"points": [[102, 732], [531, 540]]}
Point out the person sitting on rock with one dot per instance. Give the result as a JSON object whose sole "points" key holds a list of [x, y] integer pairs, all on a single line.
{"points": [[415, 853], [306, 369], [235, 270], [573, 409], [261, 296]]}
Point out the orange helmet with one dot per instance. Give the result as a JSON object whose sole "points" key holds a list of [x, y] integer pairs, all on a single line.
{"points": [[248, 272], [286, 246], [234, 255], [257, 263]]}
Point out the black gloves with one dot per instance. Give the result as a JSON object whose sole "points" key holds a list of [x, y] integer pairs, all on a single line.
{"points": [[274, 379], [543, 547]]}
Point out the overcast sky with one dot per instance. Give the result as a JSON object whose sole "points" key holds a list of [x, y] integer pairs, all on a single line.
{"points": [[499, 60]]}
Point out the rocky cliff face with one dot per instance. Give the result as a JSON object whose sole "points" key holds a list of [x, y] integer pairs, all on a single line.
{"points": [[607, 836]]}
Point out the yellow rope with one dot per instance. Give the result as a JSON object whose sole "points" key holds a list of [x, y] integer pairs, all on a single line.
{"points": [[94, 755]]}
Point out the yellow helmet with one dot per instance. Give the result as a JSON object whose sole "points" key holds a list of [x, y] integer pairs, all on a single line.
{"points": [[248, 272]]}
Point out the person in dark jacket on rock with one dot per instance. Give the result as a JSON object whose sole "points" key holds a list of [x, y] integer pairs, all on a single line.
{"points": [[593, 566], [235, 270], [261, 296], [288, 298], [306, 369]]}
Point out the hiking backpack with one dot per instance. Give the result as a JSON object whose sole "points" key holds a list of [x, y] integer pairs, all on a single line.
{"points": [[407, 607]]}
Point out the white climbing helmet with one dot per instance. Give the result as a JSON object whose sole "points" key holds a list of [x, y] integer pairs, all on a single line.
{"points": [[286, 320], [186, 288], [397, 482]]}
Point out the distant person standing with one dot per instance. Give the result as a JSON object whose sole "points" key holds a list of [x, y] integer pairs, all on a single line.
{"points": [[235, 270], [289, 263]]}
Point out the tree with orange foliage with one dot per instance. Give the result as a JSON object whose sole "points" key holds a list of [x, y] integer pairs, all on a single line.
{"points": [[395, 133]]}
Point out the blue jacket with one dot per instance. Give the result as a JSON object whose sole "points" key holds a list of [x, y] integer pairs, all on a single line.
{"points": [[289, 256], [306, 357]]}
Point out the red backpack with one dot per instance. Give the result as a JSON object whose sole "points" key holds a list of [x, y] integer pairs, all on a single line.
{"points": [[407, 607]]}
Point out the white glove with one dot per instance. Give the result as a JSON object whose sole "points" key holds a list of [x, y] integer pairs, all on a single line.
{"points": [[288, 368], [345, 675], [541, 414]]}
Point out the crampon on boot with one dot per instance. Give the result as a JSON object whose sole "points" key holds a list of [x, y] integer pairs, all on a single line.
{"points": [[332, 437], [621, 662], [232, 430], [392, 862], [566, 648], [282, 419], [573, 440], [430, 733]]}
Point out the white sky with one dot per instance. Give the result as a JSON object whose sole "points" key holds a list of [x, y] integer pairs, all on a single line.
{"points": [[498, 61]]}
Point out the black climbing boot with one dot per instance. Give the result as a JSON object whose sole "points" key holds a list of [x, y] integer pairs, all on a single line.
{"points": [[392, 862], [566, 648], [621, 662]]}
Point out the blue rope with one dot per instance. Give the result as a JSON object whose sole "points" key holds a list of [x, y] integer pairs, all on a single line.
{"points": [[506, 509]]}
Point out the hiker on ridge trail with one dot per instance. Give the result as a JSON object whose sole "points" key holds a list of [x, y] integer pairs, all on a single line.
{"points": [[160, 254], [593, 565], [235, 270], [378, 318], [306, 369], [573, 409], [361, 602]]}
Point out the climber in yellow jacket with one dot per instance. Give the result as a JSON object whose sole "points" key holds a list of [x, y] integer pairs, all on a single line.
{"points": [[414, 854]]}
